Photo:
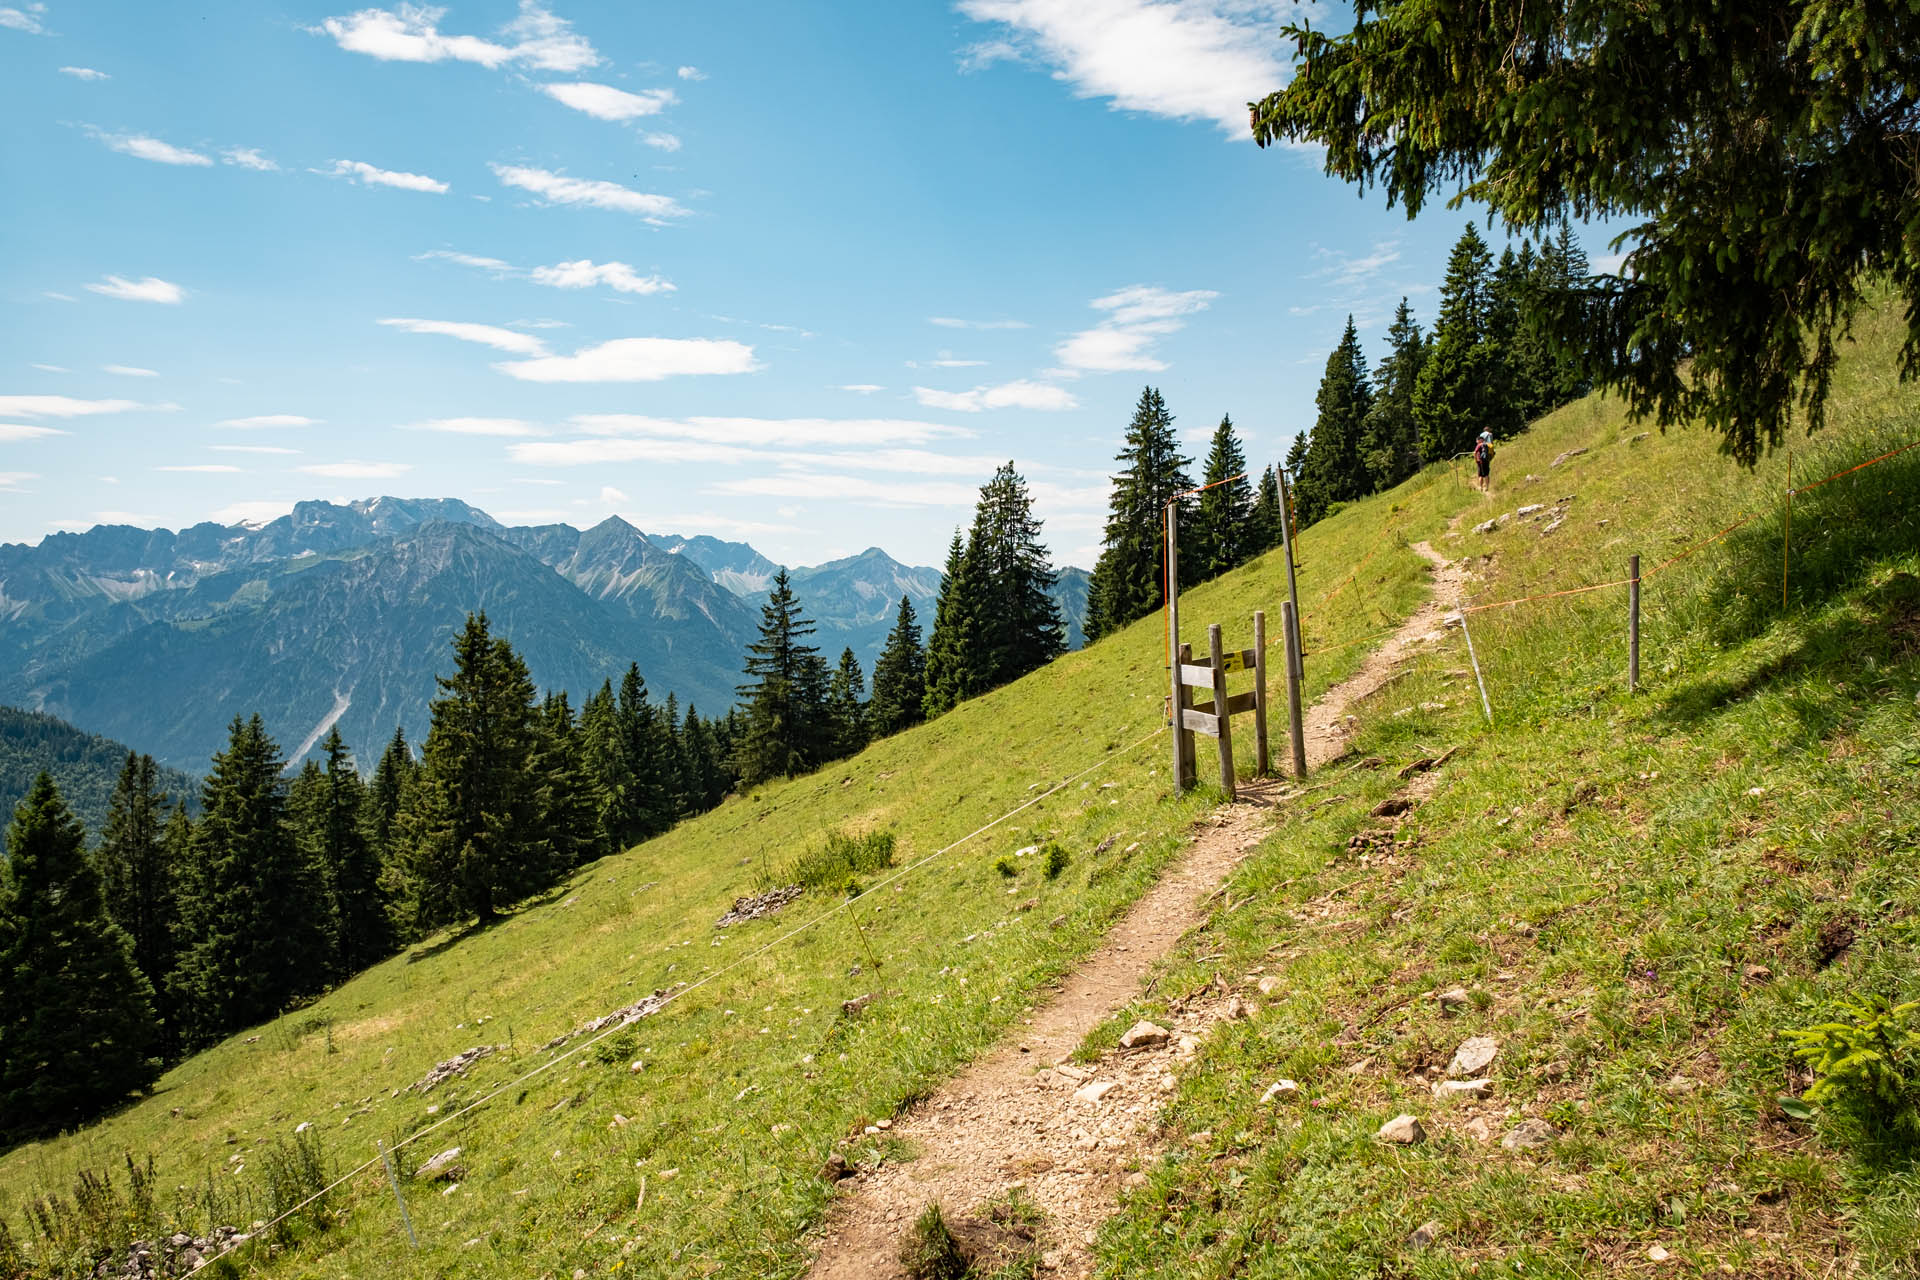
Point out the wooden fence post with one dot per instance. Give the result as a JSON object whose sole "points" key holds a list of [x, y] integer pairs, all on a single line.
{"points": [[1182, 699], [1292, 639], [1633, 624], [1260, 692], [1182, 740], [1225, 738]]}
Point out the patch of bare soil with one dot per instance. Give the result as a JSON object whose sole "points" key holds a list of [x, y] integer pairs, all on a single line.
{"points": [[1026, 1115]]}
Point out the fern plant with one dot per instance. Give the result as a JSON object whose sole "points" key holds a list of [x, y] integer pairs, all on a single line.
{"points": [[1866, 1066]]}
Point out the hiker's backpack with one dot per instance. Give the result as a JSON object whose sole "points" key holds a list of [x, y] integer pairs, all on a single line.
{"points": [[1482, 451]]}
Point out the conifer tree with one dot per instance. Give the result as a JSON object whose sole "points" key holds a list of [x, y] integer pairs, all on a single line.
{"points": [[1390, 445], [955, 663], [1452, 397], [77, 1026], [1129, 577], [1263, 522], [847, 707], [1333, 470], [136, 876], [472, 844], [569, 807], [351, 867], [899, 677], [1221, 537], [641, 801], [673, 780], [1563, 270], [604, 760], [784, 730], [705, 763], [385, 791], [1019, 626], [251, 912]]}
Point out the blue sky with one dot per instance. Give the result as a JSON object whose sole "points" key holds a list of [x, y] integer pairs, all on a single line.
{"points": [[798, 273]]}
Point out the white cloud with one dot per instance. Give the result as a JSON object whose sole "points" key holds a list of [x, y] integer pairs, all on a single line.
{"points": [[10, 481], [557, 188], [604, 102], [65, 406], [256, 513], [249, 158], [368, 176], [692, 73], [142, 147], [1182, 59], [129, 371], [612, 496], [15, 432], [521, 344], [844, 488], [356, 470], [662, 141], [259, 421], [637, 360], [84, 73], [1343, 270], [58, 297], [1609, 264], [271, 450], [863, 388], [1021, 394], [208, 468], [467, 260], [778, 433], [584, 274], [151, 289], [50, 368], [410, 33], [954, 322], [953, 364], [574, 453], [1137, 315], [478, 427], [26, 19]]}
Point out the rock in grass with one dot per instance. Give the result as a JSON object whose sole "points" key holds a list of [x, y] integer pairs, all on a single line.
{"points": [[1402, 1129], [1143, 1035], [1658, 1253], [444, 1165], [836, 1168], [1454, 1000], [1530, 1135], [1424, 1235], [1473, 1056], [1463, 1089], [1280, 1090], [1094, 1090]]}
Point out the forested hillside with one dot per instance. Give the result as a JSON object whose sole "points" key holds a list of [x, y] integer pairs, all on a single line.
{"points": [[84, 765]]}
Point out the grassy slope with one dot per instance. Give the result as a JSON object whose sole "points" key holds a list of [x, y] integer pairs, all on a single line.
{"points": [[1599, 870], [729, 1120]]}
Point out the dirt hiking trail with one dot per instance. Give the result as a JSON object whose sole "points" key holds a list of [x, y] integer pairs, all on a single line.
{"points": [[1024, 1115]]}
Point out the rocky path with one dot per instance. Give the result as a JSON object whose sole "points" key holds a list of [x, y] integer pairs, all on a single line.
{"points": [[1068, 1135]]}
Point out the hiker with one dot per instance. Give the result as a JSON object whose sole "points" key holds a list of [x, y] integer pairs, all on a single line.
{"points": [[1483, 457]]}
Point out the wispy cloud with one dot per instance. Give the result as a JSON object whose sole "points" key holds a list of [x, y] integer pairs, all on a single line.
{"points": [[249, 158], [775, 433], [478, 427], [411, 33], [151, 289], [84, 73], [270, 450], [495, 265], [1021, 394], [357, 470], [10, 481], [692, 73], [266, 420], [637, 360], [1136, 317], [557, 188], [255, 512], [1182, 59], [129, 371], [604, 102], [50, 368], [369, 176], [584, 274], [846, 488], [66, 406], [863, 388], [577, 453], [1342, 270], [203, 468], [522, 344], [662, 141], [144, 147], [19, 432], [25, 19], [955, 322]]}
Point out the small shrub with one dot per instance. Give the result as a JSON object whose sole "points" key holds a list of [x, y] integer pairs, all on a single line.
{"points": [[616, 1050], [296, 1172], [1866, 1066], [931, 1252], [1006, 867], [839, 858], [1057, 860]]}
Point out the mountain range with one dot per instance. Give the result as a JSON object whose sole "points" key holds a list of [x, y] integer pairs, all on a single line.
{"points": [[341, 615]]}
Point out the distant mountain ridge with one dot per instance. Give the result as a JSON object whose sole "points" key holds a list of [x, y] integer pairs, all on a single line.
{"points": [[340, 615]]}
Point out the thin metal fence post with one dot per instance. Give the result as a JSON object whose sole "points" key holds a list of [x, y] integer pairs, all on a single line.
{"points": [[1293, 690], [1298, 662], [1633, 624], [393, 1176], [1474, 658]]}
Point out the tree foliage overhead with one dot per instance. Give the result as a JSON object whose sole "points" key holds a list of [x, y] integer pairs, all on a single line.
{"points": [[1762, 153]]}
